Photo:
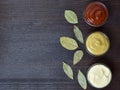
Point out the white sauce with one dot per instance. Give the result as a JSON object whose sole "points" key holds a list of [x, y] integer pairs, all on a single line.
{"points": [[99, 76]]}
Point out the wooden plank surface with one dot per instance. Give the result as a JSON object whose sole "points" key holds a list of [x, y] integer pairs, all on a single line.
{"points": [[30, 54]]}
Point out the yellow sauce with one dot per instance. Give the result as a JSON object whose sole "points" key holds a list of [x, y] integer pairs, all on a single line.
{"points": [[97, 43]]}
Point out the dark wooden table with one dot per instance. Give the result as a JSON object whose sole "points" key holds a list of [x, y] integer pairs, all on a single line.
{"points": [[30, 54]]}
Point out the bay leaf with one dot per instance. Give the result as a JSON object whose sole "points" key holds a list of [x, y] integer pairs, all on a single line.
{"points": [[77, 56], [71, 16], [68, 43], [78, 34], [68, 70], [82, 80]]}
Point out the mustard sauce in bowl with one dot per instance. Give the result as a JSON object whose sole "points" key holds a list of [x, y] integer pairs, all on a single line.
{"points": [[97, 43]]}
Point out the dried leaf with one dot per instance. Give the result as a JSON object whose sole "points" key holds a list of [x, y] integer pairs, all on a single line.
{"points": [[82, 80], [71, 16], [77, 56], [68, 70], [78, 34], [68, 43]]}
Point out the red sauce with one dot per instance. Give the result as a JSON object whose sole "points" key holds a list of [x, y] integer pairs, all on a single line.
{"points": [[96, 14]]}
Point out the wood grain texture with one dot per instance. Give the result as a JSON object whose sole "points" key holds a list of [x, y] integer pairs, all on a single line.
{"points": [[30, 53]]}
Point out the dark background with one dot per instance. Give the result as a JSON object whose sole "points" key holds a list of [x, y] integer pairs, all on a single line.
{"points": [[30, 53]]}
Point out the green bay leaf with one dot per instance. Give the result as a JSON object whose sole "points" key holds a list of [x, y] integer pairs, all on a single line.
{"points": [[68, 70], [68, 43], [71, 16], [82, 80], [78, 34], [77, 56]]}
